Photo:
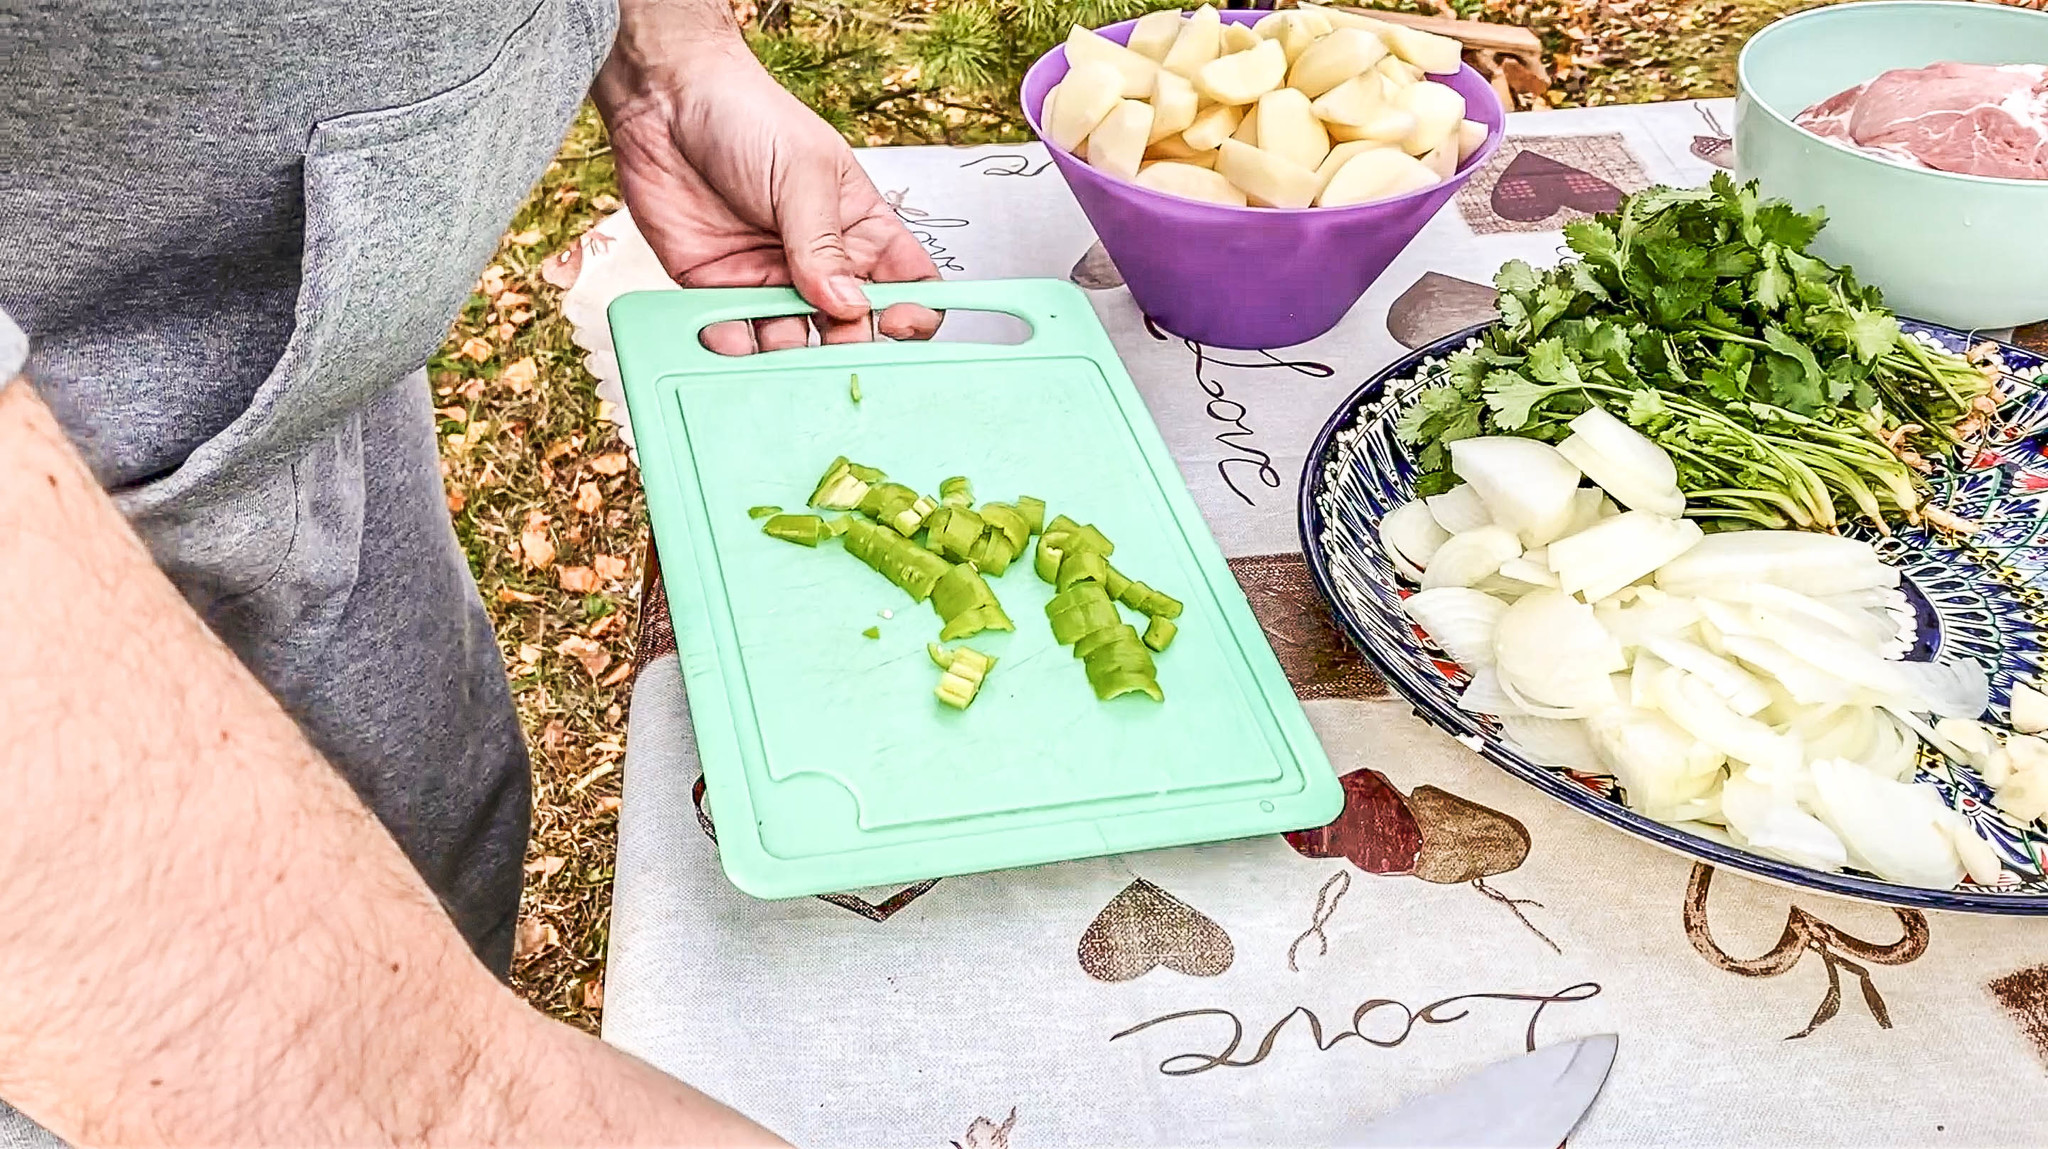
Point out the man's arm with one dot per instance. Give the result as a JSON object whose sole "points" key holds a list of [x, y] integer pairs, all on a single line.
{"points": [[206, 938]]}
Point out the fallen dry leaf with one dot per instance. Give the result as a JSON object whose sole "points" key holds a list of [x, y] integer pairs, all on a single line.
{"points": [[613, 463], [477, 349], [560, 448], [534, 544], [593, 995], [504, 332], [473, 390], [529, 653], [552, 734], [589, 500], [507, 594], [592, 655], [534, 936], [520, 317], [610, 568], [606, 625], [526, 238], [493, 281], [584, 782], [511, 299], [456, 501], [609, 804], [620, 673], [604, 201], [577, 580], [453, 414], [567, 194], [548, 866], [520, 376]]}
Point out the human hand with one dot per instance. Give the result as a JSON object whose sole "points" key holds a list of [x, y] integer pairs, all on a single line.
{"points": [[734, 183]]}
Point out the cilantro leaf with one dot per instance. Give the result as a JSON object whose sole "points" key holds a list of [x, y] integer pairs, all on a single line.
{"points": [[1512, 398], [1516, 276], [1549, 362], [1594, 242]]}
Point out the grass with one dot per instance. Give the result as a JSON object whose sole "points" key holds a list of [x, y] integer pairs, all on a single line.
{"points": [[551, 514]]}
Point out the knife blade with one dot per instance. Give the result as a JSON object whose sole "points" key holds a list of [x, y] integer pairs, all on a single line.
{"points": [[1530, 1101]]}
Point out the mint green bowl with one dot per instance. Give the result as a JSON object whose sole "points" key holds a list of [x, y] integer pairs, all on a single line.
{"points": [[1963, 251]]}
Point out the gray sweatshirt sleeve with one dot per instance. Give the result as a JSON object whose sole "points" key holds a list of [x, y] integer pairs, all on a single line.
{"points": [[13, 350]]}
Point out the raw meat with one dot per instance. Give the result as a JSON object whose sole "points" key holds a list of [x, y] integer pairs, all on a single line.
{"points": [[1976, 119]]}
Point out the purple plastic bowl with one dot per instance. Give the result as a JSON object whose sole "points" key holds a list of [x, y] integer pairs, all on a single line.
{"points": [[1250, 277]]}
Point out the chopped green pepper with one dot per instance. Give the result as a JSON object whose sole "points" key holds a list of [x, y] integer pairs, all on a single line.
{"points": [[1033, 511], [872, 632], [805, 529], [896, 558], [903, 509], [1159, 633], [992, 552], [956, 492], [1091, 643], [837, 525], [1010, 523], [1046, 560], [1083, 566], [955, 537], [965, 669], [1080, 610], [843, 486], [853, 388], [762, 512], [1117, 583], [1145, 600], [964, 601], [941, 657], [1120, 664]]}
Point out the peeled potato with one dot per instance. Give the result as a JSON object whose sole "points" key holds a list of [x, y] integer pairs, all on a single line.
{"points": [[1318, 24], [1084, 46], [1438, 109], [1173, 149], [1079, 102], [1173, 105], [1434, 54], [1338, 157], [1190, 182], [1239, 38], [1471, 134], [1341, 18], [1288, 129], [1248, 128], [1200, 41], [1266, 179], [1353, 102], [1442, 159], [1242, 77], [1293, 29], [1398, 71], [1270, 24], [1376, 173], [1212, 126], [1334, 59], [1154, 33], [1117, 145], [1390, 125]]}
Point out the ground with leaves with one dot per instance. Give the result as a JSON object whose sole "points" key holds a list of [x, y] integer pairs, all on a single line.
{"points": [[540, 487]]}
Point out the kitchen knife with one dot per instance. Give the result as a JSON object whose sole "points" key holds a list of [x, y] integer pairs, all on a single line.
{"points": [[1530, 1101]]}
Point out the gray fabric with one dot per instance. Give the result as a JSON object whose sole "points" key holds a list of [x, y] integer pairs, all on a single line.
{"points": [[234, 232], [13, 350]]}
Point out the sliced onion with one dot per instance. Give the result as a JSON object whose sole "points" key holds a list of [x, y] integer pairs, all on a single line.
{"points": [[1613, 553], [1551, 650], [1553, 742], [1771, 824], [1624, 456], [1459, 620], [1470, 556], [1459, 510], [1652, 614], [1410, 534], [1810, 563], [1629, 488], [1893, 829], [1589, 506], [1483, 695], [1736, 686], [1651, 757], [1526, 570], [1808, 684], [1979, 860], [1956, 689], [1688, 701], [1526, 485]]}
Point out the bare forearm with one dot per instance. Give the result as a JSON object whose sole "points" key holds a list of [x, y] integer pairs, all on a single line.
{"points": [[207, 938]]}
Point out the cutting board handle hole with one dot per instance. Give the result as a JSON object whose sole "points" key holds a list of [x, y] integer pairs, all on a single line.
{"points": [[960, 325]]}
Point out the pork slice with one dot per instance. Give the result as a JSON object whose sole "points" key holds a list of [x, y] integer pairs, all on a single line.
{"points": [[1974, 119]]}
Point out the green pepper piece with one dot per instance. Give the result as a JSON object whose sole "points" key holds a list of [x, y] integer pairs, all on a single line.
{"points": [[1007, 520], [991, 553], [1117, 683], [1107, 636], [1117, 583], [837, 525], [872, 632], [1033, 512], [955, 691], [957, 537], [1120, 667], [853, 388], [1080, 610], [969, 623], [941, 657], [1082, 566], [1159, 633], [965, 669], [896, 558], [843, 486], [959, 590], [1147, 601], [956, 492], [762, 512], [1090, 539], [1046, 560], [803, 529], [971, 663], [1061, 524]]}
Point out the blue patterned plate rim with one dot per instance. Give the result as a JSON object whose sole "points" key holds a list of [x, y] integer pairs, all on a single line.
{"points": [[1553, 782]]}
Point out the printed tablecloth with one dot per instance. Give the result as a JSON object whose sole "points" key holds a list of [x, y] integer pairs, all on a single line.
{"points": [[1257, 992]]}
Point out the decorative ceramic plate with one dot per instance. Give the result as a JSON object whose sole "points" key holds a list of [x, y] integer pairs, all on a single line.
{"points": [[1984, 599]]}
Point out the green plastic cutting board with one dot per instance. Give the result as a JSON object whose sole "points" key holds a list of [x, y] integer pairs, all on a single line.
{"points": [[828, 763]]}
